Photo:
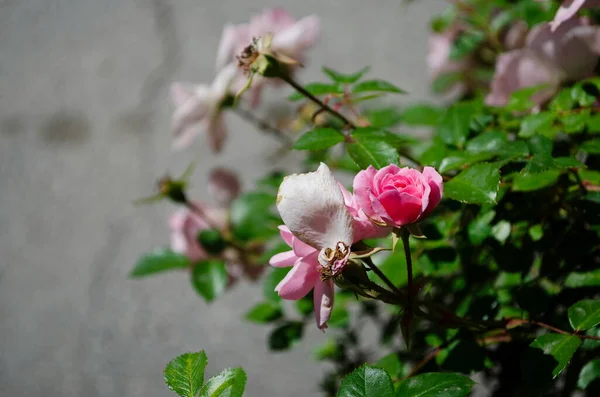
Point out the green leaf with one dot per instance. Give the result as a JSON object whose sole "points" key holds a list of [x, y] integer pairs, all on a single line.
{"points": [[567, 162], [251, 216], [584, 314], [581, 96], [466, 43], [377, 86], [157, 261], [365, 152], [529, 182], [591, 344], [435, 384], [286, 335], [274, 276], [561, 347], [184, 374], [366, 381], [231, 382], [391, 364], [563, 101], [589, 373], [575, 123], [520, 100], [478, 184], [501, 231], [491, 141], [588, 279], [376, 134], [209, 278], [212, 241], [536, 232], [593, 123], [338, 77], [317, 89], [592, 146], [479, 229], [446, 81], [536, 124], [264, 312], [330, 350], [384, 117], [319, 139], [454, 125], [541, 145], [421, 114]]}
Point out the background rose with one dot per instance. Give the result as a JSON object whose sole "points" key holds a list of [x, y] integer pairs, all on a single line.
{"points": [[397, 196]]}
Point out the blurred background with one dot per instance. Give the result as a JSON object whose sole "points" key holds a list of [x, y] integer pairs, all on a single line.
{"points": [[84, 130]]}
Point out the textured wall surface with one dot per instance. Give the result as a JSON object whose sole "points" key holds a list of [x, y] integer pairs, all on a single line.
{"points": [[84, 122]]}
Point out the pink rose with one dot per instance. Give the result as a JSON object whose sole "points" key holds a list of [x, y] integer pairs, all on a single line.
{"points": [[185, 226], [397, 196]]}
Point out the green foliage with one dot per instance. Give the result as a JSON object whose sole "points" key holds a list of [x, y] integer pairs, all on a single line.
{"points": [[230, 382], [374, 148], [252, 218], [584, 314], [209, 278], [318, 89], [158, 261], [454, 125], [376, 86], [436, 385], [561, 347], [589, 373], [184, 374], [478, 184], [264, 312], [338, 77], [366, 381], [286, 335], [319, 139]]}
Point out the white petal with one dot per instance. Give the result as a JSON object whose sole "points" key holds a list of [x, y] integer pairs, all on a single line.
{"points": [[312, 207], [298, 36], [223, 80], [227, 44]]}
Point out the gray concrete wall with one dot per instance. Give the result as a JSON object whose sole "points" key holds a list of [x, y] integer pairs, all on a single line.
{"points": [[84, 129]]}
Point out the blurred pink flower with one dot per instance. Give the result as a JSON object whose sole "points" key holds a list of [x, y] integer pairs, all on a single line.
{"points": [[185, 226], [569, 53], [290, 37], [200, 106], [439, 62], [569, 9], [224, 185]]}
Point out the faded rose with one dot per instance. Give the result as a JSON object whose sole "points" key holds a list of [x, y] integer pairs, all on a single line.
{"points": [[397, 196]]}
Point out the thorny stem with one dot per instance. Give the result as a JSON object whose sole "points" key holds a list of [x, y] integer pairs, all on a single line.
{"points": [[550, 327], [316, 100], [263, 125], [381, 275]]}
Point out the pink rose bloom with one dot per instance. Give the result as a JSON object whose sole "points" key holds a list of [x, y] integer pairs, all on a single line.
{"points": [[290, 37], [550, 58], [321, 224], [199, 107], [185, 226], [397, 196]]}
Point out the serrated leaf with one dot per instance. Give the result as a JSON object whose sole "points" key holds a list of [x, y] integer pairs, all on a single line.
{"points": [[575, 123], [454, 125], [589, 373], [391, 364], [435, 384], [366, 381], [317, 89], [286, 335], [377, 153], [376, 86], [264, 312], [184, 374], [338, 77], [584, 314], [479, 229], [209, 278], [592, 146], [477, 184], [377, 134], [536, 124], [491, 141], [421, 114], [561, 347], [534, 181], [588, 279], [319, 139], [384, 117], [581, 96], [157, 261], [231, 382], [567, 162]]}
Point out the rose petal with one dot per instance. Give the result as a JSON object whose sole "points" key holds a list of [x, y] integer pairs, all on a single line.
{"points": [[300, 35], [323, 295], [227, 45], [300, 279], [436, 184], [217, 132], [301, 248], [312, 206], [362, 192], [402, 208], [283, 259], [286, 235]]}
